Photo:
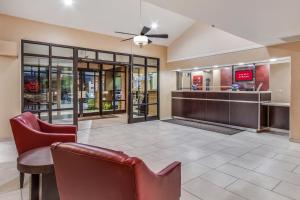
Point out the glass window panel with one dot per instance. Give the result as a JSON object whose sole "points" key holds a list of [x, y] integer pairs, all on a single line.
{"points": [[107, 106], [38, 61], [86, 54], [152, 62], [120, 86], [36, 49], [62, 88], [152, 110], [61, 51], [122, 58], [138, 111], [107, 86], [138, 85], [138, 60], [62, 63], [36, 92], [90, 93], [62, 117], [105, 56], [152, 84], [120, 105]]}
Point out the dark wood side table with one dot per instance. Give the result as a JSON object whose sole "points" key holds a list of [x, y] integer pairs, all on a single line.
{"points": [[39, 162]]}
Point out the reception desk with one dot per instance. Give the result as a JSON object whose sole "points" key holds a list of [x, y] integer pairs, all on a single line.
{"points": [[238, 109]]}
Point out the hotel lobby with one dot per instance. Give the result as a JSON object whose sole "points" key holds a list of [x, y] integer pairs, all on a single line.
{"points": [[149, 100]]}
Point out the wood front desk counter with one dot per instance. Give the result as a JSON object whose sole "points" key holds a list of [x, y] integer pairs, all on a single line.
{"points": [[240, 109]]}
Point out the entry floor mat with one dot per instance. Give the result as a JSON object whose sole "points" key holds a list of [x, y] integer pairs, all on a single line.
{"points": [[204, 126], [96, 117]]}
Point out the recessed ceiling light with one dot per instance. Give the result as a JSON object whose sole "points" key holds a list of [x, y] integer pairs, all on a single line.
{"points": [[196, 68], [241, 63], [273, 59], [216, 66], [68, 2], [154, 25]]}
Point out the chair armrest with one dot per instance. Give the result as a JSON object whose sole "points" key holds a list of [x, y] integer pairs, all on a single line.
{"points": [[165, 185], [51, 128], [27, 138]]}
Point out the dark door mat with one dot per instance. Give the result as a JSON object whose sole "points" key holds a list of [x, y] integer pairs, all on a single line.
{"points": [[96, 117], [204, 126]]}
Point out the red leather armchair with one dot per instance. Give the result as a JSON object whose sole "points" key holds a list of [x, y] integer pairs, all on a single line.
{"points": [[102, 174], [30, 133]]}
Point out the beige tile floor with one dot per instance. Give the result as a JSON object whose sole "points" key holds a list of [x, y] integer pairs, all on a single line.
{"points": [[245, 166]]}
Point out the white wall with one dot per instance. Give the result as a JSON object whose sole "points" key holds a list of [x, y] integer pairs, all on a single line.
{"points": [[202, 40], [280, 82]]}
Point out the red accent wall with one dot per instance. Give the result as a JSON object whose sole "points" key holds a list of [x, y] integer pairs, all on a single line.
{"points": [[226, 77], [262, 75]]}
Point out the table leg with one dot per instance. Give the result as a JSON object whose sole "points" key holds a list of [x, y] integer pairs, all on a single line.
{"points": [[49, 187], [34, 188]]}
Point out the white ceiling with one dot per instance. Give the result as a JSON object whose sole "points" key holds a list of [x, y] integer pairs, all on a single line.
{"points": [[101, 16], [261, 21]]}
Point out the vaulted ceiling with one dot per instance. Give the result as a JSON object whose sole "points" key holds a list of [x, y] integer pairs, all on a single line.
{"points": [[101, 16], [265, 22]]}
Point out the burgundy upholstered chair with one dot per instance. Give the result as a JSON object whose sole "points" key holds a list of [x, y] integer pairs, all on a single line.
{"points": [[30, 133], [93, 173]]}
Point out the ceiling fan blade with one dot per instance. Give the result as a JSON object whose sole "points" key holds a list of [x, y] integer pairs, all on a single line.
{"points": [[145, 30], [149, 41], [125, 33], [158, 35], [126, 39]]}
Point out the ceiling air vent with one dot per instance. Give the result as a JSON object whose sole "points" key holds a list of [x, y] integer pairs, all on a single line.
{"points": [[295, 38]]}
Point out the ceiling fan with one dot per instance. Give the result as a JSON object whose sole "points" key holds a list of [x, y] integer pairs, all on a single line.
{"points": [[143, 38]]}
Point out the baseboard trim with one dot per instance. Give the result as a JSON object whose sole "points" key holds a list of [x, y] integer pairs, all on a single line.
{"points": [[294, 140]]}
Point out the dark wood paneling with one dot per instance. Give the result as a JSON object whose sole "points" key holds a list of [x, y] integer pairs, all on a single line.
{"points": [[217, 111], [265, 97], [244, 96], [187, 108], [218, 95], [264, 116], [279, 117], [201, 95], [244, 114]]}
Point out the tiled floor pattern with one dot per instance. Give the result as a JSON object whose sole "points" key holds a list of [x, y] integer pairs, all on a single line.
{"points": [[245, 166]]}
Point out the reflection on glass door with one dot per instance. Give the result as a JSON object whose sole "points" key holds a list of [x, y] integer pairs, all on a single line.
{"points": [[152, 92]]}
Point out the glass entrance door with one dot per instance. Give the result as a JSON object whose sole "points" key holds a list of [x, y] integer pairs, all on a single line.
{"points": [[101, 89], [88, 93], [144, 101]]}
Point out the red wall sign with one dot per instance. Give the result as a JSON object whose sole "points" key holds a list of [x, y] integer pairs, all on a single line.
{"points": [[244, 75], [197, 81]]}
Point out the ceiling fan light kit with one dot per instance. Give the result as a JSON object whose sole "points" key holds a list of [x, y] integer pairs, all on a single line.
{"points": [[140, 40]]}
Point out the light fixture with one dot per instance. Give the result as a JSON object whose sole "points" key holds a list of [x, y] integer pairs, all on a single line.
{"points": [[195, 68], [273, 59], [216, 66], [241, 63], [178, 70], [68, 2], [140, 40], [154, 25]]}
